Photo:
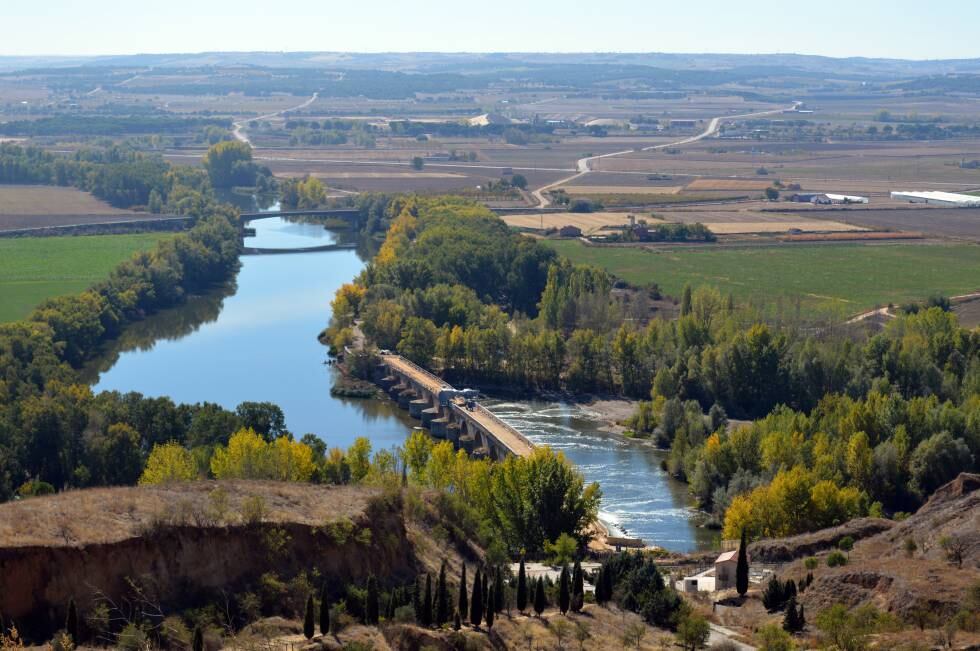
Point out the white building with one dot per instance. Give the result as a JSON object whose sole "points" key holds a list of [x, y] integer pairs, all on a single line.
{"points": [[845, 198], [939, 198]]}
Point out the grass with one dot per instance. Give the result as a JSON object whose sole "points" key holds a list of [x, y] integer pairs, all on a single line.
{"points": [[35, 268], [843, 277]]}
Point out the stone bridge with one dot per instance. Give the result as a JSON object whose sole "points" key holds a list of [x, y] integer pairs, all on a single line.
{"points": [[448, 413]]}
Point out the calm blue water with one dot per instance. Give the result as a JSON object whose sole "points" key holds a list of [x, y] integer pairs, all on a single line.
{"points": [[256, 340]]}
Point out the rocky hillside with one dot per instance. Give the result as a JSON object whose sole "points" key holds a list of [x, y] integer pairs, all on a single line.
{"points": [[183, 543], [925, 563]]}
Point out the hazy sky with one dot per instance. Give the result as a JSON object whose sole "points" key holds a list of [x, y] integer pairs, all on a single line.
{"points": [[919, 29]]}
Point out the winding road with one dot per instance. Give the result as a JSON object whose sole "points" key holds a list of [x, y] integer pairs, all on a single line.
{"points": [[584, 168], [239, 126]]}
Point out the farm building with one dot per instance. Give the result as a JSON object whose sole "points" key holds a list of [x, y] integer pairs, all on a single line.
{"points": [[683, 124], [721, 576], [949, 199], [825, 199]]}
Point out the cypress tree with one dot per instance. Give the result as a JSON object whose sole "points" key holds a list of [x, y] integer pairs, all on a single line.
{"points": [[71, 622], [498, 591], [404, 475], [539, 601], [607, 584], [324, 611], [442, 597], [308, 623], [490, 607], [742, 569], [463, 605], [790, 623], [801, 619], [521, 588], [600, 597], [390, 608], [476, 601], [373, 606], [198, 644], [417, 600], [578, 588], [427, 602], [457, 624], [564, 591]]}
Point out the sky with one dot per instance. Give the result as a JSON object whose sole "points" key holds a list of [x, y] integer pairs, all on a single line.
{"points": [[908, 29]]}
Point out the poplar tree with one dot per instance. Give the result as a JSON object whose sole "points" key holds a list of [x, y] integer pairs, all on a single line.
{"points": [[564, 592], [521, 588], [476, 601], [324, 611], [578, 588], [308, 623], [742, 569], [539, 601], [463, 606]]}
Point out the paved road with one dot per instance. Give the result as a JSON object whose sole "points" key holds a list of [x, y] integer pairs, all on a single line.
{"points": [[238, 126], [583, 164], [722, 634]]}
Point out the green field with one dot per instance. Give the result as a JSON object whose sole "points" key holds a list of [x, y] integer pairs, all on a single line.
{"points": [[846, 278], [35, 268]]}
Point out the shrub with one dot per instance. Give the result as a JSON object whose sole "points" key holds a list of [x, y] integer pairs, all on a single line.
{"points": [[811, 563], [253, 510], [836, 559], [131, 638]]}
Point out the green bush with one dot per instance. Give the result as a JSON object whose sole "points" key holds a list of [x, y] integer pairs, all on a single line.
{"points": [[836, 559]]}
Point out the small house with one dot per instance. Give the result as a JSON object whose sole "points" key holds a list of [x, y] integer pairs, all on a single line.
{"points": [[725, 569]]}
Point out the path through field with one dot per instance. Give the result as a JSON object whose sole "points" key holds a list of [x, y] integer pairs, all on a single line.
{"points": [[239, 126], [583, 163]]}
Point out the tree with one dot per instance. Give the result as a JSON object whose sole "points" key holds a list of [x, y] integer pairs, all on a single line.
{"points": [[427, 602], [562, 550], [521, 587], [539, 601], [693, 632], [600, 593], [519, 181], [198, 644], [418, 340], [169, 462], [308, 623], [686, 301], [442, 597], [457, 624], [742, 568], [372, 606], [265, 418], [564, 591], [772, 194], [71, 623], [462, 605], [324, 611], [773, 638], [498, 590], [476, 601], [418, 163], [791, 623], [582, 634], [229, 163], [578, 588], [937, 460], [490, 607]]}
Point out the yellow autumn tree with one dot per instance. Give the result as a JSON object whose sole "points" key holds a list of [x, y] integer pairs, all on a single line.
{"points": [[249, 456], [290, 460], [169, 462]]}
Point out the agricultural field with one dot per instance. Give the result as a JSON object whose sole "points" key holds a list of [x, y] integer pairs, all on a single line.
{"points": [[35, 268], [36, 206], [847, 278]]}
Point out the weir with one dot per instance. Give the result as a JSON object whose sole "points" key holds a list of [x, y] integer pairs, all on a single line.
{"points": [[449, 413]]}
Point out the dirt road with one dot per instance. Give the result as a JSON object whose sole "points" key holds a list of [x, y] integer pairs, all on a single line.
{"points": [[583, 164], [239, 126]]}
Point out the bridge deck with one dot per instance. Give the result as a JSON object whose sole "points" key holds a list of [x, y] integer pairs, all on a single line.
{"points": [[506, 435]]}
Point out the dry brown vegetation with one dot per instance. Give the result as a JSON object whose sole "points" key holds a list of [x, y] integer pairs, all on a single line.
{"points": [[36, 206]]}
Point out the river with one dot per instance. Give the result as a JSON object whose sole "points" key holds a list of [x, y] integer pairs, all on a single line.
{"points": [[255, 339]]}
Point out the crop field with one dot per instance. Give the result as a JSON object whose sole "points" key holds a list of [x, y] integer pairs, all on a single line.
{"points": [[620, 189], [35, 268], [588, 222], [36, 206], [849, 278]]}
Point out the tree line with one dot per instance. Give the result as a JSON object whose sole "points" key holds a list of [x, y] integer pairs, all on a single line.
{"points": [[861, 423]]}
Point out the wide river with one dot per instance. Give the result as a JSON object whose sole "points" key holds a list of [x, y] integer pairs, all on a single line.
{"points": [[256, 340]]}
